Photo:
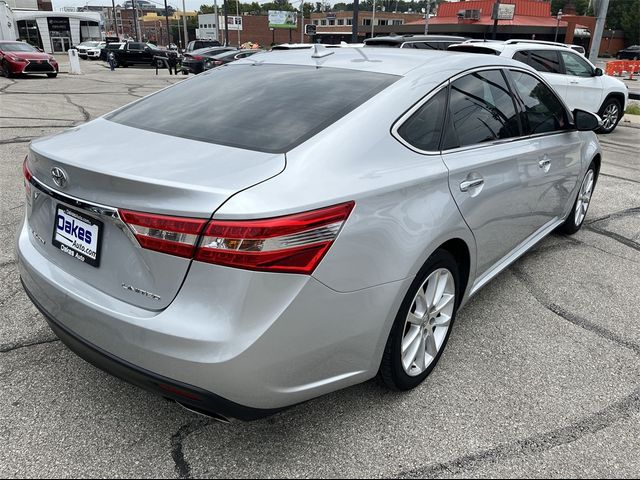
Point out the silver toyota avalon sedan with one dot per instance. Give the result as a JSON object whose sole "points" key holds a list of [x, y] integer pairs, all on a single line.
{"points": [[297, 222]]}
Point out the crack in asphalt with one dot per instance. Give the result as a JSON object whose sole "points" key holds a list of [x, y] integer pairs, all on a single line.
{"points": [[3, 89], [614, 236], [619, 178], [16, 140], [543, 299], [83, 111], [40, 118], [534, 444], [612, 216], [42, 126], [65, 93], [10, 347], [182, 467]]}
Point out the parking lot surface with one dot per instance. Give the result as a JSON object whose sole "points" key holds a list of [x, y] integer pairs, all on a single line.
{"points": [[541, 376]]}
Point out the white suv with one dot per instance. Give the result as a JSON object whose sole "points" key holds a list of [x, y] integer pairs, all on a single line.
{"points": [[576, 79]]}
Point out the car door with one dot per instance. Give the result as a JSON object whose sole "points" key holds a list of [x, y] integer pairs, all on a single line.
{"points": [[584, 88], [555, 155], [492, 168], [549, 64]]}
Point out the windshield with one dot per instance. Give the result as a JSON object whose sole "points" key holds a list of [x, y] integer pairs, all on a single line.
{"points": [[268, 108], [17, 47]]}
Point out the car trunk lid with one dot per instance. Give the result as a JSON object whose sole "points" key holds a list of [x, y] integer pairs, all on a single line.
{"points": [[135, 170]]}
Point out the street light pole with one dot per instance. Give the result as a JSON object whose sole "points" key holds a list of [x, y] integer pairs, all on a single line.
{"points": [[302, 21], [495, 21], [559, 16], [594, 50]]}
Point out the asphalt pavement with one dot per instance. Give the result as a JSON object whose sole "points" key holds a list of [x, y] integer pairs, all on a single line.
{"points": [[541, 376]]}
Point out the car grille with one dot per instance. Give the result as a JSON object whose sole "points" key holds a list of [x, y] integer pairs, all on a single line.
{"points": [[39, 66]]}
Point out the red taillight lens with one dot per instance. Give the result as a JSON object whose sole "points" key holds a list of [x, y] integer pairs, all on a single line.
{"points": [[289, 244], [172, 235], [25, 170], [197, 57], [218, 63]]}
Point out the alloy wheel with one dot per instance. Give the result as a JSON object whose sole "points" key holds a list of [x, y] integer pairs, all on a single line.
{"points": [[610, 116], [584, 197], [428, 322]]}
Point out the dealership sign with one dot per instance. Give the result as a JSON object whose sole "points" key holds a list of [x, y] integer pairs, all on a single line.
{"points": [[503, 11], [283, 19]]}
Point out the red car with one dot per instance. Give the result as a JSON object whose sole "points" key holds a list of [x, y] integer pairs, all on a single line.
{"points": [[20, 57]]}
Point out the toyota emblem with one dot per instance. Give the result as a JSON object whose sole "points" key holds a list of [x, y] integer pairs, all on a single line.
{"points": [[59, 177]]}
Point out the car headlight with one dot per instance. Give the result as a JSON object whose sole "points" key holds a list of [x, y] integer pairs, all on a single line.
{"points": [[18, 59]]}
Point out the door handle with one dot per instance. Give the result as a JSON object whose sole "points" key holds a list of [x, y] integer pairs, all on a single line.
{"points": [[574, 82], [544, 163], [467, 184]]}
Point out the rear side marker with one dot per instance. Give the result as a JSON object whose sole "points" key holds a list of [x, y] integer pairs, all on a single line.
{"points": [[289, 244]]}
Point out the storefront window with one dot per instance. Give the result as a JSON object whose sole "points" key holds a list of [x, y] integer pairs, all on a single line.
{"points": [[89, 31], [28, 31]]}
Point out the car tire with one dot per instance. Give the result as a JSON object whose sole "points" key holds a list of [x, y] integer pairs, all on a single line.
{"points": [[574, 221], [52, 75], [426, 316], [610, 113], [6, 71], [184, 72]]}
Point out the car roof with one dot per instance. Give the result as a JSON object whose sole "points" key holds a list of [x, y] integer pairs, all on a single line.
{"points": [[414, 38], [402, 62], [502, 46]]}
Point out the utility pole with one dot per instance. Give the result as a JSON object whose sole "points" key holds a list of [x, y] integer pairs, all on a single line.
{"points": [[302, 21], [354, 26], [426, 18], [495, 20], [373, 18], [115, 18], [597, 35], [166, 17], [226, 24], [215, 11], [184, 24], [135, 19], [237, 25]]}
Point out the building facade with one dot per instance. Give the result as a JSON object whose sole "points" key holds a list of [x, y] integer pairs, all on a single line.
{"points": [[334, 27], [57, 32]]}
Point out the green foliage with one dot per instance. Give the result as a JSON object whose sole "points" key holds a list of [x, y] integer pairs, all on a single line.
{"points": [[633, 109], [625, 15], [582, 6]]}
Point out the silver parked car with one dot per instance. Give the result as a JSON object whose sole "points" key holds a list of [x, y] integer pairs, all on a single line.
{"points": [[316, 222]]}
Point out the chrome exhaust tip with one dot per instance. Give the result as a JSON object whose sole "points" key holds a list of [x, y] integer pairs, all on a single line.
{"points": [[214, 416]]}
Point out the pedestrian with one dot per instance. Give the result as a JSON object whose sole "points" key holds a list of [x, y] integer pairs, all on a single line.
{"points": [[172, 62], [111, 58]]}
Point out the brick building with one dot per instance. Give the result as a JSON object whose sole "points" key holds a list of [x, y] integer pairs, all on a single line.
{"points": [[334, 27]]}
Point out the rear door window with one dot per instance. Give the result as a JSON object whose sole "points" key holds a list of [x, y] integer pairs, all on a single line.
{"points": [[547, 61], [269, 108], [481, 109], [543, 111]]}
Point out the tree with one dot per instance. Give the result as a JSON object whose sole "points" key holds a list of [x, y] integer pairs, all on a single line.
{"points": [[625, 15], [582, 6]]}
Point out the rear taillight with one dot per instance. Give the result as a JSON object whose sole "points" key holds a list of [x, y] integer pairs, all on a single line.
{"points": [[27, 179], [25, 170], [172, 235], [290, 244], [197, 57], [217, 63]]}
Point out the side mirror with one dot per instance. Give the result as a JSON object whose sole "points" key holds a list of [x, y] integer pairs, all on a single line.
{"points": [[586, 121], [598, 72]]}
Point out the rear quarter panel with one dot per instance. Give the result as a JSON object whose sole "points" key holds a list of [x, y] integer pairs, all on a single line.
{"points": [[403, 211]]}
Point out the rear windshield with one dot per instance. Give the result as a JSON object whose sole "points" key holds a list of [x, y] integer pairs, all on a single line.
{"points": [[269, 108]]}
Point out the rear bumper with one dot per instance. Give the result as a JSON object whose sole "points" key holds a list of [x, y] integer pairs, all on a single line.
{"points": [[193, 397], [260, 341]]}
